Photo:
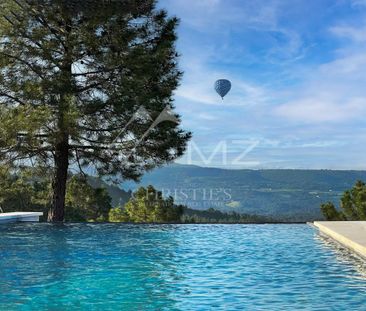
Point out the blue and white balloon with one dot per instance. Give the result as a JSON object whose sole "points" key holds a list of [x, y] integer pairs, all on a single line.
{"points": [[222, 87]]}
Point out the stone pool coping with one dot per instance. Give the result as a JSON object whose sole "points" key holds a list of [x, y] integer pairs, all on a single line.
{"points": [[20, 217], [351, 234]]}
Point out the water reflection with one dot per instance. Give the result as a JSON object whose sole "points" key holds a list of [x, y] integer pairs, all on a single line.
{"points": [[342, 254]]}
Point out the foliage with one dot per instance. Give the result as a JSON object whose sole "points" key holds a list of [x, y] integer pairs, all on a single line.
{"points": [[330, 212], [147, 205], [24, 190], [29, 189], [353, 205], [214, 216], [85, 203], [118, 214], [119, 197], [72, 76]]}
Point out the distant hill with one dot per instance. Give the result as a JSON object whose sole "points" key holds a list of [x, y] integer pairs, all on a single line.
{"points": [[290, 195], [118, 195]]}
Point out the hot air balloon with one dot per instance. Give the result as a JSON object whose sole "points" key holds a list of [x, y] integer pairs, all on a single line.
{"points": [[222, 87]]}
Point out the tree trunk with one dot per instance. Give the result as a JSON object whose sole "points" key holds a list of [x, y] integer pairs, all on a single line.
{"points": [[57, 211]]}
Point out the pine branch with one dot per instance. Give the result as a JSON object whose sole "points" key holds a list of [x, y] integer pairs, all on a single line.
{"points": [[2, 94], [30, 66]]}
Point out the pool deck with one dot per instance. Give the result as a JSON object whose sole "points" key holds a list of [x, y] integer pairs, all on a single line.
{"points": [[351, 234], [20, 217]]}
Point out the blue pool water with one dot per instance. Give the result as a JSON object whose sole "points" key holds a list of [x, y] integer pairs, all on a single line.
{"points": [[176, 267]]}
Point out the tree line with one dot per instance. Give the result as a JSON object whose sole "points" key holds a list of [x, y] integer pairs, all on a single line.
{"points": [[30, 189], [352, 205]]}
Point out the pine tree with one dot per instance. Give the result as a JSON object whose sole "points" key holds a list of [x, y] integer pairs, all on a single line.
{"points": [[85, 203], [88, 83], [353, 205]]}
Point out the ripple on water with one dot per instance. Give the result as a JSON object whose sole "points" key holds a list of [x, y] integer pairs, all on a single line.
{"points": [[176, 267]]}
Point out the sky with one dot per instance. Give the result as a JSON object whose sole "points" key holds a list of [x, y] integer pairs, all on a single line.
{"points": [[298, 73]]}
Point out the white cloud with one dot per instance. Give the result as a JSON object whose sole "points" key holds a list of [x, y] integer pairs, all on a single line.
{"points": [[347, 67], [322, 109], [358, 2], [220, 18], [207, 116], [351, 33], [321, 144], [334, 91]]}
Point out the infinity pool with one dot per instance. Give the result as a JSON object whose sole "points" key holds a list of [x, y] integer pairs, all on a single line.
{"points": [[176, 267]]}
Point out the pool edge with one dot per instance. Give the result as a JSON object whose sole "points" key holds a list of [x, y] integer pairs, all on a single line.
{"points": [[348, 234]]}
